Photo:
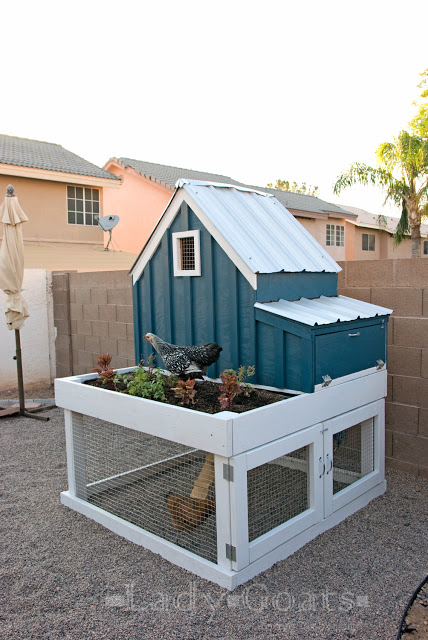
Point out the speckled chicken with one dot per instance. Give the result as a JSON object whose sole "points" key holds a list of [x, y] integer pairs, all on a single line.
{"points": [[185, 360]]}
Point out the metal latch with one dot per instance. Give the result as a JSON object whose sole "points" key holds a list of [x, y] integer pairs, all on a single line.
{"points": [[228, 472], [327, 380], [230, 552], [380, 364]]}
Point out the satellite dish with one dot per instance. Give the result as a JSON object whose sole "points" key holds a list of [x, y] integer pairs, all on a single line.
{"points": [[106, 224]]}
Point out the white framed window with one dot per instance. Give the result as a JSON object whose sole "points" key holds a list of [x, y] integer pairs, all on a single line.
{"points": [[425, 247], [83, 205], [335, 235], [368, 241], [186, 253]]}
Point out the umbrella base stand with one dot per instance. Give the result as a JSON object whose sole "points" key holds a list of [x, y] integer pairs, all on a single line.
{"points": [[26, 409], [14, 410]]}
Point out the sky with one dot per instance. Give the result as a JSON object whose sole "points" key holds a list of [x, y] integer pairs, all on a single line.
{"points": [[252, 90]]}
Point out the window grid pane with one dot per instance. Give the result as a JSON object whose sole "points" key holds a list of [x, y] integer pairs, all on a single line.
{"points": [[81, 200], [368, 241], [340, 236]]}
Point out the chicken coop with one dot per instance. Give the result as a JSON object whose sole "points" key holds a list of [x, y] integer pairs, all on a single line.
{"points": [[227, 495]]}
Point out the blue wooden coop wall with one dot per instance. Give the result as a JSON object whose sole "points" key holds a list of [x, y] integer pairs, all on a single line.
{"points": [[217, 306]]}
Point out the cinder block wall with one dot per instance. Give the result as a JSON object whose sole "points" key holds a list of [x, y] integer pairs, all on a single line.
{"points": [[401, 285], [92, 315]]}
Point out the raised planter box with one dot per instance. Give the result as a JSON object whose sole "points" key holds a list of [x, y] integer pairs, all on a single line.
{"points": [[282, 473]]}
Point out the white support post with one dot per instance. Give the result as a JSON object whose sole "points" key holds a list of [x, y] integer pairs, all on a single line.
{"points": [[76, 458], [222, 501], [239, 512]]}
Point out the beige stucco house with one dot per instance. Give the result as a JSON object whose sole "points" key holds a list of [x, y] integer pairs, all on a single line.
{"points": [[62, 194], [146, 189], [63, 197], [371, 237]]}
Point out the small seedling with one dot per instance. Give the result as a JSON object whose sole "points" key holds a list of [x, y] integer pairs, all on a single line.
{"points": [[185, 390], [243, 374], [230, 388], [104, 370]]}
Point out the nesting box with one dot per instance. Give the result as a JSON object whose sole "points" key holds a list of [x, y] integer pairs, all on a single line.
{"points": [[227, 495]]}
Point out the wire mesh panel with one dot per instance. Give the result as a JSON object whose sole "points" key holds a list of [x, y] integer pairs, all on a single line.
{"points": [[277, 491], [353, 454], [187, 253], [161, 486]]}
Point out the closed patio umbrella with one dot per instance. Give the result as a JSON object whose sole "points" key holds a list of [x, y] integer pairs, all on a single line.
{"points": [[11, 277]]}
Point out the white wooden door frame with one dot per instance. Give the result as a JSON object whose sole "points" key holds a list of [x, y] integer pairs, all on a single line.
{"points": [[375, 410], [311, 437]]}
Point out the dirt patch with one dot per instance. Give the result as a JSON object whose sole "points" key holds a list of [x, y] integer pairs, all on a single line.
{"points": [[30, 392], [206, 397]]}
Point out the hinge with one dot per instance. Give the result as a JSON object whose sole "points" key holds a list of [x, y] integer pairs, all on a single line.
{"points": [[231, 552], [380, 364], [228, 472], [327, 380]]}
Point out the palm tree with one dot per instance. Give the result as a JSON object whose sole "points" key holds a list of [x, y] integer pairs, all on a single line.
{"points": [[402, 173]]}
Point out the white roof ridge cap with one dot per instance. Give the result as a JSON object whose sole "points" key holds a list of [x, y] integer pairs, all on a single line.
{"points": [[181, 182]]}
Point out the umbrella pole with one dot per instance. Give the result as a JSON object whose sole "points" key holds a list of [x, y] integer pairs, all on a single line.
{"points": [[22, 410], [19, 371]]}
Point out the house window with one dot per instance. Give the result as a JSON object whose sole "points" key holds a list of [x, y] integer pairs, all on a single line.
{"points": [[335, 235], [369, 241], [186, 253], [83, 205]]}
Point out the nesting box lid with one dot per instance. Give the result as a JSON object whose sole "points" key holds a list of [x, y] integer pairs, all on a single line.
{"points": [[323, 310]]}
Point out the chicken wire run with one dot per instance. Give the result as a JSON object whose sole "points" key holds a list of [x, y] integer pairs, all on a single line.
{"points": [[277, 491], [131, 474], [353, 456]]}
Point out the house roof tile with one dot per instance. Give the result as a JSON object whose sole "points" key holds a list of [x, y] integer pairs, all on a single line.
{"points": [[168, 176], [23, 152]]}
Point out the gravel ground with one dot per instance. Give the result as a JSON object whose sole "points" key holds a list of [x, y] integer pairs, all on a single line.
{"points": [[64, 576]]}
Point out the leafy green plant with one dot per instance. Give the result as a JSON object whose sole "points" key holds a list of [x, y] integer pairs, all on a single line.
{"points": [[104, 370], [185, 390], [121, 381], [230, 388], [148, 383]]}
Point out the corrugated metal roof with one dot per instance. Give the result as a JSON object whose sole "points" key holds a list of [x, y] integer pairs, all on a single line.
{"points": [[23, 152], [323, 310], [260, 229]]}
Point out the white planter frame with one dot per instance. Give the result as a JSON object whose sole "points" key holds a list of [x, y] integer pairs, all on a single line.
{"points": [[241, 441]]}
